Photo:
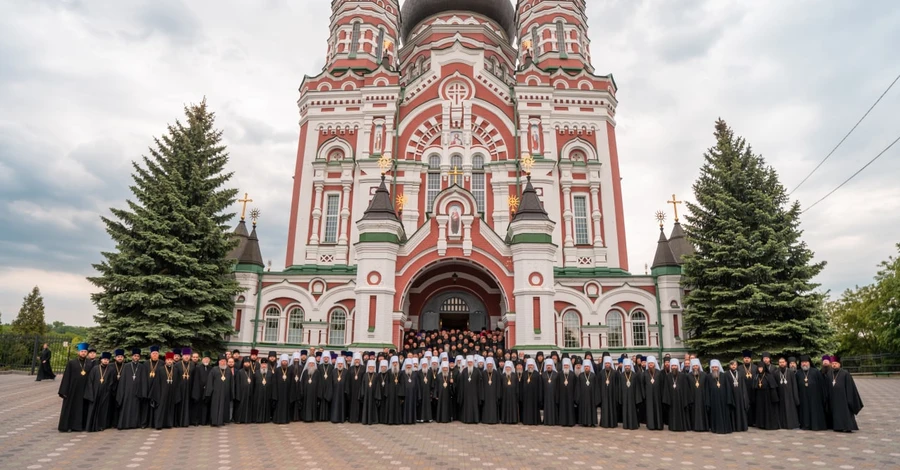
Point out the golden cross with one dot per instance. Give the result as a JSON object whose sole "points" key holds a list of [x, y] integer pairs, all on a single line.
{"points": [[454, 174], [244, 205], [675, 203]]}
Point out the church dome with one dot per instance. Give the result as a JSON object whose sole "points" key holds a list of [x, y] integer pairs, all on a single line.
{"points": [[414, 11]]}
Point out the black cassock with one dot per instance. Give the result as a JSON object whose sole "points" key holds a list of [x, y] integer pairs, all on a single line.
{"points": [[183, 408], [443, 398], [631, 394], [509, 398], [748, 373], [764, 396], [263, 395], [356, 377], [788, 399], [45, 371], [130, 392], [283, 395], [699, 417], [219, 393], [678, 397], [720, 402], [73, 415], [813, 399], [337, 391], [390, 411], [243, 396], [845, 401], [154, 375], [199, 406], [99, 389], [587, 397], [653, 382], [163, 394], [566, 385], [550, 398], [531, 398], [740, 386], [411, 394], [310, 391], [369, 396], [294, 372], [118, 368], [426, 384], [492, 392], [610, 398], [326, 373], [470, 395]]}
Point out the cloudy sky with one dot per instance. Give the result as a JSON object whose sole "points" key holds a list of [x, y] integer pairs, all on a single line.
{"points": [[85, 85]]}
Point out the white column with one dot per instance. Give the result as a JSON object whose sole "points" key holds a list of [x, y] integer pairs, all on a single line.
{"points": [[316, 213], [567, 214], [345, 214], [595, 214]]}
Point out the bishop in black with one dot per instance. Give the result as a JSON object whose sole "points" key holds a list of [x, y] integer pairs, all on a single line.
{"points": [[631, 394], [154, 375], [565, 391], [369, 394], [699, 418], [587, 395], [311, 388], [356, 375], [470, 393], [427, 376], [199, 379], [98, 392], [262, 398], [390, 411], [283, 394], [443, 395], [844, 397], [531, 394], [740, 386], [243, 393], [678, 397], [720, 399], [765, 398], [788, 396], [130, 391], [410, 392], [492, 392], [509, 395], [219, 393], [184, 369], [813, 396], [73, 415], [609, 395], [550, 394], [337, 391], [163, 394], [652, 382]]}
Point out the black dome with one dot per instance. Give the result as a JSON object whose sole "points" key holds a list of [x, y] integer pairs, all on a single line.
{"points": [[414, 11]]}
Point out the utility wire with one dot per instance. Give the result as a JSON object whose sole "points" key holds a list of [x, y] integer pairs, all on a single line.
{"points": [[853, 175], [845, 137]]}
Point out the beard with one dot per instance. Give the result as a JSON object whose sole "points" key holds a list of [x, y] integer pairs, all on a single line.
{"points": [[715, 374], [805, 368]]}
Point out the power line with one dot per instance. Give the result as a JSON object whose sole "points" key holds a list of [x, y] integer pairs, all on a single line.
{"points": [[845, 137], [853, 175]]}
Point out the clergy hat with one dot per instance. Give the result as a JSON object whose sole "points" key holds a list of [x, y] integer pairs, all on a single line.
{"points": [[826, 358], [105, 355], [82, 346], [120, 352], [836, 358], [154, 348], [92, 350], [318, 353], [186, 351], [207, 354], [246, 359], [622, 359], [176, 351], [236, 351], [333, 356], [303, 352], [766, 354], [747, 353], [170, 355], [791, 359], [135, 351], [273, 353], [605, 353], [254, 352], [540, 353], [223, 357], [805, 358]]}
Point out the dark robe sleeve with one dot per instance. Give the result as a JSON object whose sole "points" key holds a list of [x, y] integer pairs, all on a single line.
{"points": [[854, 401], [67, 377]]}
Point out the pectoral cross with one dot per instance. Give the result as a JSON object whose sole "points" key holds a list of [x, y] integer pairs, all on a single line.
{"points": [[247, 199], [675, 203], [454, 174]]}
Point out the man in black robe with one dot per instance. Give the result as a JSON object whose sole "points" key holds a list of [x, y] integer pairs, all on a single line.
{"points": [[631, 394], [788, 396], [337, 391], [163, 394], [184, 369], [410, 392], [740, 395], [154, 374], [73, 415], [243, 393], [131, 390], [587, 395], [325, 369], [263, 393], [532, 391], [652, 383], [509, 394], [356, 374], [45, 371], [427, 380], [720, 399], [813, 396], [699, 417], [219, 392], [844, 398], [118, 366], [764, 395], [284, 391], [491, 384], [610, 399], [369, 394], [470, 393], [391, 411], [678, 397], [99, 387], [310, 388], [566, 385], [200, 378]]}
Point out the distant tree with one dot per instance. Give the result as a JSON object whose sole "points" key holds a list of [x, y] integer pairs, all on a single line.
{"points": [[750, 281], [30, 320]]}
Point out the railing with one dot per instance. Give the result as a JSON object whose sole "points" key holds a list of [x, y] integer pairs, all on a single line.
{"points": [[22, 352], [871, 364]]}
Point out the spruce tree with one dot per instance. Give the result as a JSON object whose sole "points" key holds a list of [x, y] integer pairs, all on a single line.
{"points": [[169, 281], [30, 320], [750, 282]]}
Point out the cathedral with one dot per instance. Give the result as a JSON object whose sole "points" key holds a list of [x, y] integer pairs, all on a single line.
{"points": [[457, 167]]}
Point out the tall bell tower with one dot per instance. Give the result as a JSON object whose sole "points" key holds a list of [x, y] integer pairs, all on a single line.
{"points": [[364, 34], [553, 33]]}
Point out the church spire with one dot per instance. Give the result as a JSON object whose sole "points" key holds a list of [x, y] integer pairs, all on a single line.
{"points": [[530, 208], [381, 207], [664, 256]]}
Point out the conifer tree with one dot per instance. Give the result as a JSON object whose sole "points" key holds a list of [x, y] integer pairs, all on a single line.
{"points": [[169, 281], [30, 320], [750, 282]]}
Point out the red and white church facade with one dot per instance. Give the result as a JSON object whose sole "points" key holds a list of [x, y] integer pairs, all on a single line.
{"points": [[456, 99]]}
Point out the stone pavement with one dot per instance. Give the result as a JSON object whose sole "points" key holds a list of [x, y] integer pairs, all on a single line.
{"points": [[28, 439]]}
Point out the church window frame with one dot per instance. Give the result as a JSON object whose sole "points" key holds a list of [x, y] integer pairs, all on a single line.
{"points": [[580, 222], [337, 327], [479, 181], [639, 328], [615, 324], [272, 324], [295, 325], [379, 46], [332, 217], [456, 161], [561, 39], [571, 322], [432, 180], [535, 43], [354, 38]]}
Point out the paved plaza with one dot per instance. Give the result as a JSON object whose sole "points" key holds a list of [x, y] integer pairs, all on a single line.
{"points": [[28, 439]]}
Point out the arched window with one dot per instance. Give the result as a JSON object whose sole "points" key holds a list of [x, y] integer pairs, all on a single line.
{"points": [[456, 162], [577, 156], [433, 180], [337, 327], [639, 328], [273, 320], [295, 326], [478, 181], [534, 43], [354, 39], [614, 323], [454, 305], [561, 39], [421, 66], [379, 46], [571, 330]]}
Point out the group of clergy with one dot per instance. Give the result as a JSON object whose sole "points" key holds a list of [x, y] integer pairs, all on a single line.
{"points": [[184, 388]]}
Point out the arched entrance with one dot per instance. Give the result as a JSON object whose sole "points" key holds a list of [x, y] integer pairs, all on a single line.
{"points": [[454, 294]]}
